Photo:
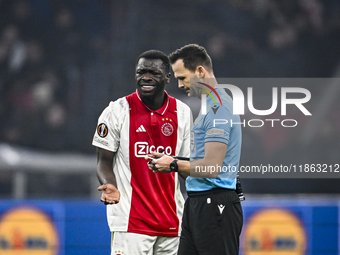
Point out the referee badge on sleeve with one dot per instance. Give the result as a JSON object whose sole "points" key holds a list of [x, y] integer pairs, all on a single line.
{"points": [[102, 130], [215, 131]]}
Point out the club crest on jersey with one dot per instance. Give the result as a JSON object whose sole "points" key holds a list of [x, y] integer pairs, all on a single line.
{"points": [[102, 130], [167, 129]]}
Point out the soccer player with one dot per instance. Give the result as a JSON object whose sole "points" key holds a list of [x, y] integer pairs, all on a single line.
{"points": [[213, 217], [144, 210]]}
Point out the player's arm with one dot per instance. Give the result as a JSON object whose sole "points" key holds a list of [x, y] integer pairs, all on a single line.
{"points": [[214, 155], [106, 177]]}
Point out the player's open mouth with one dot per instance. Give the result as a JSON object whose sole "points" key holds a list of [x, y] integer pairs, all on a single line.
{"points": [[147, 88]]}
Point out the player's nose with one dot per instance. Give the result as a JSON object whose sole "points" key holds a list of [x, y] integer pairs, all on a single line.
{"points": [[146, 77]]}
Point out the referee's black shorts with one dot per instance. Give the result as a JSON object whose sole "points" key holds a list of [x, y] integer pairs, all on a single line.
{"points": [[211, 223]]}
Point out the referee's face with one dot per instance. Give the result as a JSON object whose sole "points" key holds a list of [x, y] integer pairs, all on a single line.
{"points": [[151, 77], [183, 75]]}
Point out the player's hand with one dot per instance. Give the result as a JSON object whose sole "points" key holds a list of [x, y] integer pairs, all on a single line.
{"points": [[110, 195], [162, 163]]}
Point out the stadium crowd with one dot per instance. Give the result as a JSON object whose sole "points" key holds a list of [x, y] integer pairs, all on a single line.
{"points": [[45, 48]]}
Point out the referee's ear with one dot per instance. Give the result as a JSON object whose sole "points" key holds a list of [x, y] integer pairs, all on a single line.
{"points": [[200, 71]]}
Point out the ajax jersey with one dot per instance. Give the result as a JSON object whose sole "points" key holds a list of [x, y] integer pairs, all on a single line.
{"points": [[150, 203]]}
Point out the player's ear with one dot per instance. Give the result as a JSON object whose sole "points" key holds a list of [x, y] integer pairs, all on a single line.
{"points": [[167, 78]]}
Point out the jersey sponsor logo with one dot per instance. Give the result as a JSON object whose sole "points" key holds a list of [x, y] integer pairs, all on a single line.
{"points": [[143, 148], [28, 230], [272, 231], [141, 129], [102, 130]]}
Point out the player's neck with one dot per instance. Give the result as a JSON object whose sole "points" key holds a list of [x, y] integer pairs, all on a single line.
{"points": [[153, 103]]}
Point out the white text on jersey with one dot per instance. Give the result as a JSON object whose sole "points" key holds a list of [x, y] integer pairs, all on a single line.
{"points": [[143, 148]]}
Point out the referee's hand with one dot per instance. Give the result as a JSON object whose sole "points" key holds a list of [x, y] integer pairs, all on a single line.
{"points": [[151, 165], [110, 195], [162, 163]]}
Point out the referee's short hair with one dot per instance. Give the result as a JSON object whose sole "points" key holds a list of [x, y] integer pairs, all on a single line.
{"points": [[156, 54], [193, 55]]}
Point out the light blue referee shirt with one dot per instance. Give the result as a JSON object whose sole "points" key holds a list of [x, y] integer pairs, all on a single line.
{"points": [[217, 125]]}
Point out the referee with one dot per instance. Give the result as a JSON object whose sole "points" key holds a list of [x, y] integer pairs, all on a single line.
{"points": [[213, 217]]}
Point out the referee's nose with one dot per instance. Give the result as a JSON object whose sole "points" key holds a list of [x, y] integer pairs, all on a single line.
{"points": [[180, 84]]}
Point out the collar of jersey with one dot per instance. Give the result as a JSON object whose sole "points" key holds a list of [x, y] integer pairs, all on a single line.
{"points": [[161, 110]]}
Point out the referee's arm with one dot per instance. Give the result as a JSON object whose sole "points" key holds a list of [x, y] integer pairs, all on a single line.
{"points": [[214, 155]]}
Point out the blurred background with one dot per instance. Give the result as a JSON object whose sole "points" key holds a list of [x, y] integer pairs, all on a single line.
{"points": [[62, 62]]}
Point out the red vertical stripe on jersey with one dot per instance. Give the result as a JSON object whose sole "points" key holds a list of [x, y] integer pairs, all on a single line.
{"points": [[153, 206]]}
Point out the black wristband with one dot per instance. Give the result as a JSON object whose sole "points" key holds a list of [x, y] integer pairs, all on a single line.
{"points": [[174, 166]]}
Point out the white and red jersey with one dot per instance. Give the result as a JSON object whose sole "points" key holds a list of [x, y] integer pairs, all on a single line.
{"points": [[150, 203]]}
